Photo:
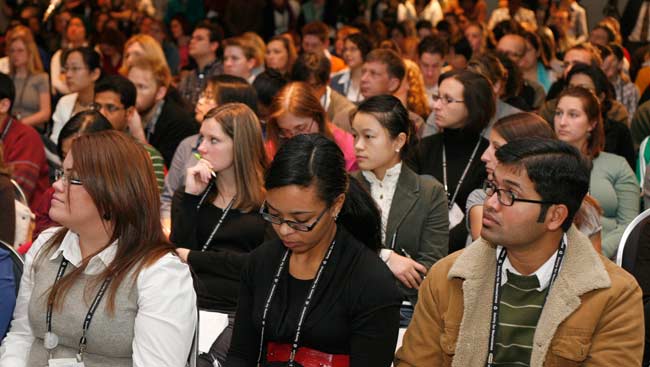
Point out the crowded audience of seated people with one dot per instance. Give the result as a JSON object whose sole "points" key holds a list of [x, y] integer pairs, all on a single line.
{"points": [[341, 183]]}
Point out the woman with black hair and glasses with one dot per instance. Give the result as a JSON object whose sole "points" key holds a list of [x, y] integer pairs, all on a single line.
{"points": [[319, 295], [463, 108]]}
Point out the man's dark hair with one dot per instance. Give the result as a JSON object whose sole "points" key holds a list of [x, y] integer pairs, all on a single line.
{"points": [[120, 85], [318, 29], [311, 68], [423, 23], [443, 26], [462, 47], [400, 28], [433, 45], [7, 89], [558, 171], [508, 26], [267, 84], [112, 37], [216, 32], [394, 63]]}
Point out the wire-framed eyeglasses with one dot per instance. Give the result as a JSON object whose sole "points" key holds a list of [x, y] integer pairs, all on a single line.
{"points": [[59, 174]]}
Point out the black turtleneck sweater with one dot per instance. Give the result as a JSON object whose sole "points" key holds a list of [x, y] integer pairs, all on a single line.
{"points": [[459, 145]]}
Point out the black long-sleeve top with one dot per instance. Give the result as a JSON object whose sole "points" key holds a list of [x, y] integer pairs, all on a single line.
{"points": [[174, 124], [217, 271], [355, 308], [459, 144]]}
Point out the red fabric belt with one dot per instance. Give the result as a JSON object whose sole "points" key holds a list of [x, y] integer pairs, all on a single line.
{"points": [[307, 357]]}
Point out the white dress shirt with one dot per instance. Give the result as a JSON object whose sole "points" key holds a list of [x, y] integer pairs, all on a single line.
{"points": [[166, 318], [382, 191], [352, 92], [543, 274]]}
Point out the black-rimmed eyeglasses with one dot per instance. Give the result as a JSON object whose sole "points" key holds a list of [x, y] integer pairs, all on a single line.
{"points": [[507, 197], [302, 227]]}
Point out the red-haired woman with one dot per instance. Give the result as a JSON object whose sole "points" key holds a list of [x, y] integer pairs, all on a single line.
{"points": [[295, 110]]}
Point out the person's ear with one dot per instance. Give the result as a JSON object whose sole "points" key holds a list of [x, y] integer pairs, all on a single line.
{"points": [[555, 216], [393, 84], [399, 142], [129, 112], [161, 93], [592, 126], [251, 63], [214, 46], [337, 206], [95, 74]]}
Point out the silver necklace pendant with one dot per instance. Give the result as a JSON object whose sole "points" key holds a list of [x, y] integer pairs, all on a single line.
{"points": [[50, 340]]}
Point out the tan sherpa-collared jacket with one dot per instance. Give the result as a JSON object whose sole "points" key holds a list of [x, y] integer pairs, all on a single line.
{"points": [[593, 314]]}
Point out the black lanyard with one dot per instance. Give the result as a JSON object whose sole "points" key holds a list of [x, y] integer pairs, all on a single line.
{"points": [[218, 225], [452, 199], [497, 294], [89, 315], [6, 129], [303, 313]]}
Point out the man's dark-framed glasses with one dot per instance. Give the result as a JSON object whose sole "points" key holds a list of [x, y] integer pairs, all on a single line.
{"points": [[507, 197], [302, 227]]}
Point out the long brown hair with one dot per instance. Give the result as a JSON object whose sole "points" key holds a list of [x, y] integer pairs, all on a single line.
{"points": [[591, 107], [117, 174], [240, 123], [523, 125], [297, 98]]}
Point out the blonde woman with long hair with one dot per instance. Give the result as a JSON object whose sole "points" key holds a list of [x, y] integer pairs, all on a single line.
{"points": [[32, 105]]}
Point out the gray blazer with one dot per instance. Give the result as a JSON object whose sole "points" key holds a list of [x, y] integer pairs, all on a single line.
{"points": [[418, 220]]}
